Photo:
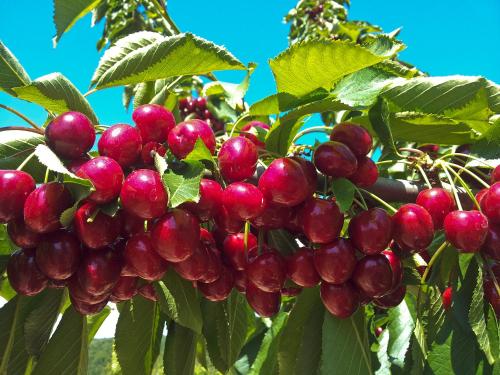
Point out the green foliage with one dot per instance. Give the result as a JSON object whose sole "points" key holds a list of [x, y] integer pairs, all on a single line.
{"points": [[16, 146], [11, 71], [182, 182], [180, 350], [344, 190]]}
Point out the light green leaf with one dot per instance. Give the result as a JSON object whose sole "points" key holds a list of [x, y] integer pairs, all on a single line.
{"points": [[183, 182], [6, 245], [493, 333], [383, 358], [487, 145], [400, 329], [16, 146], [200, 153], [66, 13], [281, 135], [344, 190], [12, 74], [94, 322], [179, 356], [380, 121]]}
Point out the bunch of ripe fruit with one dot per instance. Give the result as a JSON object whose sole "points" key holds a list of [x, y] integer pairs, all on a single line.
{"points": [[102, 258], [197, 108]]}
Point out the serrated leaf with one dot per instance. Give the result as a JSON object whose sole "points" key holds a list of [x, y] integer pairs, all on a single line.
{"points": [[382, 356], [94, 322], [183, 182], [493, 330], [280, 136], [16, 146], [6, 245], [66, 13], [380, 121], [179, 356], [12, 74], [400, 329], [344, 190], [200, 153], [487, 145]]}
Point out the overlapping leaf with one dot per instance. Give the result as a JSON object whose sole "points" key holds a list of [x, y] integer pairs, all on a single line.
{"points": [[179, 356], [12, 74], [66, 13]]}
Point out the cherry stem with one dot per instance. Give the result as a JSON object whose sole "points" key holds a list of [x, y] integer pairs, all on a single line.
{"points": [[380, 200], [363, 202], [466, 188], [46, 178], [26, 161], [436, 255], [412, 150], [245, 236], [19, 114], [476, 177], [424, 175], [466, 156], [313, 129], [452, 184]]}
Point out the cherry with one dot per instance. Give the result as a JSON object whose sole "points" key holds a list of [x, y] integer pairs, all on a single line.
{"points": [[213, 265], [438, 202], [335, 262], [291, 291], [267, 271], [44, 207], [86, 308], [495, 175], [57, 284], [131, 224], [144, 260], [340, 300], [154, 122], [15, 186], [446, 297], [77, 292], [226, 222], [396, 267], [491, 246], [263, 303], [240, 281], [284, 182], [75, 164], [378, 331], [94, 228], [367, 173], [273, 216], [21, 235], [148, 149], [107, 177], [122, 143], [490, 203], [309, 171], [492, 296], [237, 159], [210, 200], [243, 201], [480, 195], [335, 159], [176, 235], [183, 137], [371, 231], [321, 220], [148, 291], [194, 267], [373, 275], [24, 275], [99, 270], [207, 237], [353, 136], [392, 299], [248, 131], [220, 289], [70, 135], [466, 230], [125, 288], [58, 255], [234, 250], [301, 270], [413, 228], [431, 149]]}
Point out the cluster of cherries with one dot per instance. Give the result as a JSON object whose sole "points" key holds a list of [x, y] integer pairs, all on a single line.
{"points": [[197, 108]]}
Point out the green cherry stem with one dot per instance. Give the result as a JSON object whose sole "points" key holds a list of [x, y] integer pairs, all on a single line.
{"points": [[363, 202], [424, 175], [466, 156], [245, 236], [433, 260], [26, 161], [313, 129], [473, 175], [452, 183], [379, 200], [466, 188]]}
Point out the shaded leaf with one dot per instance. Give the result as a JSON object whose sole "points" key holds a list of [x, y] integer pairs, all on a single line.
{"points": [[66, 13], [94, 322], [12, 74], [344, 190], [400, 329], [179, 356], [16, 146], [380, 121], [281, 135]]}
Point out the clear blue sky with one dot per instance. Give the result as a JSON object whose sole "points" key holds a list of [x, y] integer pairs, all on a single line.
{"points": [[443, 37]]}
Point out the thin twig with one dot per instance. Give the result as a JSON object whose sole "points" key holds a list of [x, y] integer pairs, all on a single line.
{"points": [[19, 114]]}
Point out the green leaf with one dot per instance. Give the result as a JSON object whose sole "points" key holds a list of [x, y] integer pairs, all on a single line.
{"points": [[94, 322], [56, 94], [344, 190], [66, 13], [380, 121], [382, 356], [200, 153], [487, 145], [179, 356], [282, 240], [16, 146], [182, 182], [400, 329], [147, 56], [281, 135], [12, 74], [6, 245], [493, 332]]}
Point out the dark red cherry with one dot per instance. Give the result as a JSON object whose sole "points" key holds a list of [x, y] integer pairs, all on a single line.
{"points": [[125, 288], [301, 270], [371, 231], [148, 291], [490, 203], [309, 171], [251, 132], [273, 216], [183, 137], [148, 151], [234, 250], [194, 267], [94, 228], [131, 224], [335, 159], [285, 183], [392, 299], [396, 267], [220, 289], [367, 173], [24, 275], [213, 265], [154, 122], [263, 303], [353, 136], [438, 203], [107, 177], [466, 230], [207, 238], [226, 222], [237, 159], [141, 256], [70, 135], [240, 281], [75, 164], [413, 228], [86, 308], [373, 275], [446, 297], [431, 149], [99, 270], [210, 200], [58, 255], [21, 235], [340, 300], [492, 296], [122, 143], [335, 262], [57, 284], [321, 220], [176, 235], [495, 175], [267, 271], [491, 246], [243, 201], [378, 331], [15, 186], [44, 207], [290, 291], [77, 292], [144, 195]]}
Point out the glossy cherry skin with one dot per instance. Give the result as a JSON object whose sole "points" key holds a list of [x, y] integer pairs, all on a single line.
{"points": [[491, 246], [77, 292], [353, 136], [102, 231], [480, 195], [335, 159], [226, 222], [24, 275], [446, 297], [367, 173], [210, 200], [490, 203], [301, 270], [263, 303], [70, 135], [249, 131], [273, 216], [99, 270], [495, 175], [466, 230], [107, 177], [21, 235], [220, 289], [240, 281], [75, 164], [291, 291], [148, 291], [413, 228], [371, 231], [58, 255], [176, 235], [373, 275], [335, 262], [194, 267], [15, 186], [243, 201], [122, 143], [183, 137], [84, 308], [267, 271], [131, 224], [438, 203], [396, 267], [147, 152], [141, 256], [492, 296], [237, 159], [213, 265], [144, 195], [321, 220], [392, 299], [340, 300], [309, 171], [234, 250], [154, 122], [44, 207], [378, 331], [125, 288]]}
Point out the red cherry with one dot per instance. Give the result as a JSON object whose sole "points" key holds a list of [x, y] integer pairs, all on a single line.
{"points": [[492, 296], [70, 135], [371, 231], [301, 270], [267, 271], [240, 281], [213, 265], [99, 270], [378, 331], [24, 275], [148, 149], [44, 207], [182, 138], [335, 159], [396, 267], [207, 237], [95, 230], [438, 202], [148, 291], [263, 303], [125, 288], [249, 131], [21, 235], [75, 164], [495, 175], [273, 216], [243, 201], [194, 267], [335, 262], [144, 260], [321, 220], [210, 200], [234, 250], [353, 136], [107, 177], [447, 297], [200, 103], [291, 291], [412, 227], [58, 255], [309, 171], [373, 275], [340, 300], [490, 203], [131, 224], [392, 299], [237, 159], [431, 149], [220, 289], [491, 246], [122, 143], [480, 195], [226, 222], [176, 235], [367, 173], [154, 122], [77, 292], [15, 186], [87, 309], [466, 230]]}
